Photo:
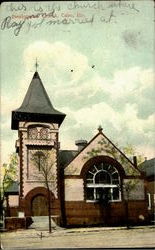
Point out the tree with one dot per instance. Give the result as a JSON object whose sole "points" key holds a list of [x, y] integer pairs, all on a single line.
{"points": [[105, 146], [8, 176], [130, 151], [130, 185], [44, 162]]}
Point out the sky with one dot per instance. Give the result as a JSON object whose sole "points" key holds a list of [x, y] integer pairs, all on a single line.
{"points": [[95, 61]]}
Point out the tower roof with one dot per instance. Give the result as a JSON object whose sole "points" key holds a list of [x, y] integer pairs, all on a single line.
{"points": [[36, 106]]}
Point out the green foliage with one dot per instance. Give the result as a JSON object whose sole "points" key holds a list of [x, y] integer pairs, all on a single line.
{"points": [[8, 174], [107, 148], [129, 186], [130, 151]]}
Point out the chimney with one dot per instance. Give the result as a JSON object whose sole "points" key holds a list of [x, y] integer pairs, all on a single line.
{"points": [[80, 144], [135, 160]]}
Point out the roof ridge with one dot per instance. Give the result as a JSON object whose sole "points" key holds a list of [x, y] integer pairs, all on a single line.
{"points": [[113, 146], [120, 151]]}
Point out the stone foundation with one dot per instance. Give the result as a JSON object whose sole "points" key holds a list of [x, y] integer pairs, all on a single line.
{"points": [[13, 223]]}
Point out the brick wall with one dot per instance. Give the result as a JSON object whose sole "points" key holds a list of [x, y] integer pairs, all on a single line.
{"points": [[13, 212], [83, 213]]}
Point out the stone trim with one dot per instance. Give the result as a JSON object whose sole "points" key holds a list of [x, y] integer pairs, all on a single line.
{"points": [[57, 164], [21, 162], [42, 124], [36, 191], [99, 159], [72, 177], [27, 202]]}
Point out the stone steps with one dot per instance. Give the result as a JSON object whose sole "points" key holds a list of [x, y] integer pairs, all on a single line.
{"points": [[42, 223]]}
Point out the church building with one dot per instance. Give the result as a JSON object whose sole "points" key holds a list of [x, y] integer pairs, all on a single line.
{"points": [[88, 186]]}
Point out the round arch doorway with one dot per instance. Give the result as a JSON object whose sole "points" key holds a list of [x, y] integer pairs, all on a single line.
{"points": [[39, 205]]}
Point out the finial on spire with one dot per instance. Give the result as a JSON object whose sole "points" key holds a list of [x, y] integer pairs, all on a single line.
{"points": [[36, 64], [100, 129]]}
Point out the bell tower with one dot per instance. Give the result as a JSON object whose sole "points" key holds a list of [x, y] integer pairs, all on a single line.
{"points": [[37, 122]]}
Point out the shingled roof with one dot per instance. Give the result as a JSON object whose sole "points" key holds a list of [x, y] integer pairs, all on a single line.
{"points": [[148, 166], [13, 189], [36, 106], [65, 156]]}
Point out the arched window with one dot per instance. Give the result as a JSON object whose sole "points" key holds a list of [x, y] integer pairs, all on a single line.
{"points": [[103, 182]]}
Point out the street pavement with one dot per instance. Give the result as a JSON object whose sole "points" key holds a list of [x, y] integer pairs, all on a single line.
{"points": [[95, 237]]}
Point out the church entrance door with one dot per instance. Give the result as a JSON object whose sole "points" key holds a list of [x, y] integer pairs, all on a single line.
{"points": [[39, 206]]}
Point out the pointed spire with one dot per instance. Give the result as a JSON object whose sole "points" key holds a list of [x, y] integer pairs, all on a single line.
{"points": [[36, 106], [100, 129], [36, 65]]}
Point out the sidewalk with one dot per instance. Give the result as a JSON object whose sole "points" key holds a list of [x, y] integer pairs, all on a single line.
{"points": [[98, 229], [142, 236]]}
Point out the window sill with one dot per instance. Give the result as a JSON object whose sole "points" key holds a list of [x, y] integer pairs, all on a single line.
{"points": [[96, 201], [40, 181]]}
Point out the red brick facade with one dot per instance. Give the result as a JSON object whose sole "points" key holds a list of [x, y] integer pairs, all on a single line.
{"points": [[83, 213]]}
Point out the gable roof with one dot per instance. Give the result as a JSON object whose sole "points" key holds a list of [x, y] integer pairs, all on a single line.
{"points": [[36, 106], [100, 132]]}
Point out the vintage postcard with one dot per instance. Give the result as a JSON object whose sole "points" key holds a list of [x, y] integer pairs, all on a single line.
{"points": [[77, 123]]}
